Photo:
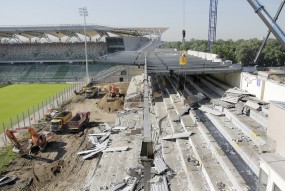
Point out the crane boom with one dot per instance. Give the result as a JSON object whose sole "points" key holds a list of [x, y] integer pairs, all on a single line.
{"points": [[213, 14]]}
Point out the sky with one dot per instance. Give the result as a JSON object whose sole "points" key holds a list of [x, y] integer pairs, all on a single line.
{"points": [[236, 18]]}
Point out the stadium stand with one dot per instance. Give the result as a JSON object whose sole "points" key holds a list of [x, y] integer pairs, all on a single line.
{"points": [[56, 53], [36, 72], [50, 51]]}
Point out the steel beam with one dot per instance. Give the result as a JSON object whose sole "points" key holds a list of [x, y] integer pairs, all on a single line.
{"points": [[269, 32], [267, 19]]}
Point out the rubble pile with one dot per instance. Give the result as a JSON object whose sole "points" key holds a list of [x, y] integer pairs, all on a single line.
{"points": [[242, 101]]}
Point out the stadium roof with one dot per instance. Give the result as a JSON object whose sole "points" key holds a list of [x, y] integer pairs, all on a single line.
{"points": [[61, 31]]}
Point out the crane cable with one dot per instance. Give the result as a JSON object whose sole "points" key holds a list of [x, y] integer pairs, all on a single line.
{"points": [[183, 40], [183, 14], [183, 35]]}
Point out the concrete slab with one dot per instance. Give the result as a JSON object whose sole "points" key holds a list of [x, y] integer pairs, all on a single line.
{"points": [[116, 149], [177, 136]]}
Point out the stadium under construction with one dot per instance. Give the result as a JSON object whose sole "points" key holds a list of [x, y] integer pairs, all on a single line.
{"points": [[205, 125]]}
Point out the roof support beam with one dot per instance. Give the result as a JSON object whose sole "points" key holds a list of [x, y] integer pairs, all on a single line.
{"points": [[43, 35]]}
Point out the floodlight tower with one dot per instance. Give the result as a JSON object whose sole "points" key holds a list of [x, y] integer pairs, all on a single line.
{"points": [[83, 12], [212, 23]]}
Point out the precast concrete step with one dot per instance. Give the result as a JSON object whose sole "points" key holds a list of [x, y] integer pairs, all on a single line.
{"points": [[252, 129], [238, 140], [172, 155], [234, 176]]}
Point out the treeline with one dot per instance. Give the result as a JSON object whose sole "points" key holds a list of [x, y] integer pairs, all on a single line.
{"points": [[240, 51]]}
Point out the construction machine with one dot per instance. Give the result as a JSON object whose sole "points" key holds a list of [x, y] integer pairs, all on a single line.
{"points": [[51, 113], [36, 141], [78, 122], [84, 88], [60, 120], [91, 92], [113, 93]]}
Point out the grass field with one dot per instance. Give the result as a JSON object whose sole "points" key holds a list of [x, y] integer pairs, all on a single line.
{"points": [[17, 98]]}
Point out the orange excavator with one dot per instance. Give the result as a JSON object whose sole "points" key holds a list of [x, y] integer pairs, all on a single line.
{"points": [[37, 140], [113, 92]]}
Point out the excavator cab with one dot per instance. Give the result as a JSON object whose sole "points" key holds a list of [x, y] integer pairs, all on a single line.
{"points": [[114, 92]]}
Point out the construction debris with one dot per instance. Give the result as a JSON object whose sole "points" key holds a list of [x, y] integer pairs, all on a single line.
{"points": [[253, 105], [159, 183], [211, 110], [113, 149], [131, 183], [233, 95], [128, 184], [230, 99], [193, 100], [119, 128], [160, 165], [99, 147], [5, 180], [181, 113], [237, 91], [107, 127], [91, 154], [98, 134], [177, 136], [221, 103], [117, 186]]}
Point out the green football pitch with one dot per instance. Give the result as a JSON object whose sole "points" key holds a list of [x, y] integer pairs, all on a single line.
{"points": [[17, 98]]}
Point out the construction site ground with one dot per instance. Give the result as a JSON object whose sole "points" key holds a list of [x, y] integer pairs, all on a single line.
{"points": [[212, 145], [59, 167]]}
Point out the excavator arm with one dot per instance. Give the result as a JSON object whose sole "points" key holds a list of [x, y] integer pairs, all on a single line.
{"points": [[11, 136], [37, 139]]}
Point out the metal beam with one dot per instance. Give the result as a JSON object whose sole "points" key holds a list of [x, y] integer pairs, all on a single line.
{"points": [[269, 32], [267, 19]]}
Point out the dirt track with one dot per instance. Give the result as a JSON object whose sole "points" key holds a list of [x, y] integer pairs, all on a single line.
{"points": [[59, 167]]}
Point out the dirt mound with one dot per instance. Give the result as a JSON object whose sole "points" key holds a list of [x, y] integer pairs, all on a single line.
{"points": [[111, 106], [118, 103], [44, 173]]}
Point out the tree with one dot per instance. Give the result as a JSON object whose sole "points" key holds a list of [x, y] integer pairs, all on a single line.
{"points": [[240, 51]]}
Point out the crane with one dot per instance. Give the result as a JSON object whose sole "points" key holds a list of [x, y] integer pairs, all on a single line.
{"points": [[212, 23]]}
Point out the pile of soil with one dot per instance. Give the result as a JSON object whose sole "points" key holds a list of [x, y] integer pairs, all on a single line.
{"points": [[111, 106], [44, 173], [118, 103]]}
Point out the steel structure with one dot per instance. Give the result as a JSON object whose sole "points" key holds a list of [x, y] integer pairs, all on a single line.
{"points": [[212, 23], [165, 63], [268, 20], [269, 32]]}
